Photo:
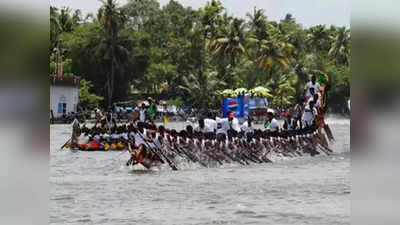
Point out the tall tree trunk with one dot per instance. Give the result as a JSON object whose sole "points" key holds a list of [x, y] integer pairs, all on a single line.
{"points": [[110, 85], [269, 75], [232, 68]]}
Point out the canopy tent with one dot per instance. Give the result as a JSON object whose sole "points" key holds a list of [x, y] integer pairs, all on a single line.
{"points": [[261, 91], [227, 93], [240, 91]]}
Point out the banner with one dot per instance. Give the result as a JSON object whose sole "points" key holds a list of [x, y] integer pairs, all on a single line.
{"points": [[254, 103], [241, 106], [234, 105]]}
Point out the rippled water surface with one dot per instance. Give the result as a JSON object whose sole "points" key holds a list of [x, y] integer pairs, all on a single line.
{"points": [[96, 188]]}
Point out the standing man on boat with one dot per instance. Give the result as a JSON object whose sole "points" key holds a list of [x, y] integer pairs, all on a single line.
{"points": [[312, 87], [322, 106], [76, 132]]}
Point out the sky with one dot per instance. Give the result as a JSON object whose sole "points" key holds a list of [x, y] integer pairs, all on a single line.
{"points": [[306, 12]]}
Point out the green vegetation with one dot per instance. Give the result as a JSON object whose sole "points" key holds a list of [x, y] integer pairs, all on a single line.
{"points": [[86, 98], [176, 52]]}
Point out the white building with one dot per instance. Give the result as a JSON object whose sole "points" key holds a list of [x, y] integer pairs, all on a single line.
{"points": [[64, 95]]}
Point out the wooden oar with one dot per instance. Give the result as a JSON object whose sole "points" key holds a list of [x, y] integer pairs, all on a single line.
{"points": [[324, 149], [180, 151], [212, 157], [239, 158], [151, 149], [171, 164], [233, 159], [190, 156], [65, 144], [194, 159], [170, 149], [177, 151], [256, 157], [266, 159], [186, 152]]}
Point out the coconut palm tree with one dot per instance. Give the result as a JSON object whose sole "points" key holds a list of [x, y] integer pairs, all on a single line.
{"points": [[65, 20], [274, 53], [141, 13], [211, 18], [55, 27], [258, 32], [317, 37], [60, 21], [258, 23], [76, 18], [340, 49], [282, 89], [231, 43], [113, 47], [202, 89]]}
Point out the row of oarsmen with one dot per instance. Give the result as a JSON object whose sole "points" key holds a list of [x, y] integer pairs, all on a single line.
{"points": [[149, 142]]}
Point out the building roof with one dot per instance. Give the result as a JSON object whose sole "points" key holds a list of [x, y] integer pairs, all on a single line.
{"points": [[65, 80]]}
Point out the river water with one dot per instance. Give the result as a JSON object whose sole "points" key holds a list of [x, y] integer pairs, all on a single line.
{"points": [[96, 188]]}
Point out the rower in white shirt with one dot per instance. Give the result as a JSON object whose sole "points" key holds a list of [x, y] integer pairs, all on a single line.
{"points": [[222, 126], [233, 122], [247, 126], [309, 114], [200, 126], [271, 124], [210, 124]]}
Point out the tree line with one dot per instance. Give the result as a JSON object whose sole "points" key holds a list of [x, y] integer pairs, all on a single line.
{"points": [[185, 55]]}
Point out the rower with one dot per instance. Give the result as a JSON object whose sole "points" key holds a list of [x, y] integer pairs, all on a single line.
{"points": [[222, 127], [289, 123], [111, 122], [210, 123], [189, 130], [247, 127], [99, 115], [317, 101], [297, 114], [233, 122], [201, 126], [271, 124], [309, 114]]}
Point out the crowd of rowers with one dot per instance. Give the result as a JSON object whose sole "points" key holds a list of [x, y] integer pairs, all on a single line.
{"points": [[212, 139]]}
